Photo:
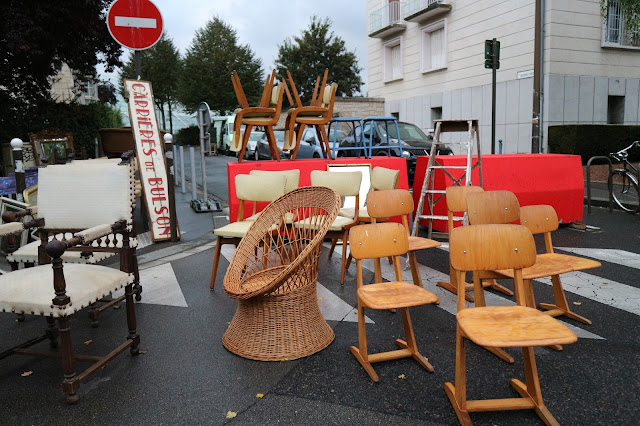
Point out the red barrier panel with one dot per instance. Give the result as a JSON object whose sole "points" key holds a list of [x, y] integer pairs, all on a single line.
{"points": [[553, 179], [305, 167]]}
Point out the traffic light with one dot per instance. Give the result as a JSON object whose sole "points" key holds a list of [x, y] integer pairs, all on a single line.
{"points": [[492, 54]]}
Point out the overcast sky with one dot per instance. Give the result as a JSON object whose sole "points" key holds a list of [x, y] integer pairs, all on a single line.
{"points": [[264, 24]]}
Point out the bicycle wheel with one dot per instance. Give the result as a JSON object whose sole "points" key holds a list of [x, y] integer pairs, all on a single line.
{"points": [[625, 190]]}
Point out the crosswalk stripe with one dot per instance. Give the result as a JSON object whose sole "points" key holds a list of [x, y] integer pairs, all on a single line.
{"points": [[159, 287], [620, 257], [333, 308]]}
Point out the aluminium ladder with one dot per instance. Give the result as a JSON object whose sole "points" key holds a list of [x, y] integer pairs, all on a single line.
{"points": [[432, 195]]}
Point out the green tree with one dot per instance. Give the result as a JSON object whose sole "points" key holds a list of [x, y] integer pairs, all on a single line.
{"points": [[629, 9], [162, 66], [316, 49], [213, 54]]}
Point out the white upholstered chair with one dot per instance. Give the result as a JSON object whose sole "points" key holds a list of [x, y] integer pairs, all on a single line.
{"points": [[253, 188], [95, 197], [57, 219]]}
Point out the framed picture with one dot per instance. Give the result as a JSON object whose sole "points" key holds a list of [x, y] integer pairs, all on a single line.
{"points": [[52, 144], [365, 184]]}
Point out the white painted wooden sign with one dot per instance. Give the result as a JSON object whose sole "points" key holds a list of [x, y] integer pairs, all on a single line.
{"points": [[150, 156]]}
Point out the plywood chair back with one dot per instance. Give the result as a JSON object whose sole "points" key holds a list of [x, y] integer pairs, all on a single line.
{"points": [[500, 246], [457, 200], [540, 219], [373, 241], [492, 207], [393, 203], [347, 184]]}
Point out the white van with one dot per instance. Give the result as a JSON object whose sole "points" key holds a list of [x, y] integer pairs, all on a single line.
{"points": [[222, 131]]}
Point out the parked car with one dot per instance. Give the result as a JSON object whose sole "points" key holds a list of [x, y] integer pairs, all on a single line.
{"points": [[263, 152], [413, 140], [310, 145], [252, 144]]}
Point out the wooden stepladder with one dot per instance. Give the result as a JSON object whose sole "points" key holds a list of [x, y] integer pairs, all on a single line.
{"points": [[432, 195]]}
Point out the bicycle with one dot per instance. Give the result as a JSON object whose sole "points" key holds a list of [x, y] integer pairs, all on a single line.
{"points": [[623, 183]]}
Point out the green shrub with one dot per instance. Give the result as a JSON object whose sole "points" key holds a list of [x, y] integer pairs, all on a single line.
{"points": [[188, 136], [589, 140]]}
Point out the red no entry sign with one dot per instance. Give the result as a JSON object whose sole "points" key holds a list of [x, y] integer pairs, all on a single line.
{"points": [[136, 24]]}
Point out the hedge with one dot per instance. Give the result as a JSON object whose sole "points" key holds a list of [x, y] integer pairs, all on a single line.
{"points": [[589, 140], [188, 136], [82, 121]]}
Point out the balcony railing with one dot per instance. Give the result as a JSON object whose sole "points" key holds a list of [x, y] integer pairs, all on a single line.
{"points": [[387, 20], [418, 10]]}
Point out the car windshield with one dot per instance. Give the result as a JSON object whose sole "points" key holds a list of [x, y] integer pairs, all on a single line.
{"points": [[340, 134], [407, 131], [279, 135], [256, 136]]}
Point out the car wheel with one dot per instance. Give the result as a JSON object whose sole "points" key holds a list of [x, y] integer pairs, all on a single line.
{"points": [[316, 155], [256, 155]]}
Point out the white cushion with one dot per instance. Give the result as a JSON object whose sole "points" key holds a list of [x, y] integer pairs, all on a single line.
{"points": [[235, 229], [84, 194], [344, 183], [29, 254], [314, 221], [31, 290], [351, 212], [260, 187], [293, 176], [11, 228]]}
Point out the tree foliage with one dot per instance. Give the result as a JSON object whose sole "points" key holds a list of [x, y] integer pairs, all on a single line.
{"points": [[162, 66], [630, 10], [38, 36], [213, 54], [316, 49]]}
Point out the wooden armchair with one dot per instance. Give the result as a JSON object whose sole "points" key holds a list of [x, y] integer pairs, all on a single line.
{"points": [[317, 114], [57, 225], [266, 114], [372, 242], [96, 198], [251, 188], [487, 248], [273, 276]]}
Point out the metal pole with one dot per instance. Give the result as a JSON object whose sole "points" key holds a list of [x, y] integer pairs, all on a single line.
{"points": [[493, 100], [137, 60], [202, 164], [192, 157], [17, 144], [173, 219], [175, 164], [183, 184]]}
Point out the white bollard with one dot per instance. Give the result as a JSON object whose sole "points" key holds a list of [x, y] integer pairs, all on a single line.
{"points": [[183, 184], [194, 186]]}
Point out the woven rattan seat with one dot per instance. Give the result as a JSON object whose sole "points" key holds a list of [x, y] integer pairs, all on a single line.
{"points": [[273, 275]]}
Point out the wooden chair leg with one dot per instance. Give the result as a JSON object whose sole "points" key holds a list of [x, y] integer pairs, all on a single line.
{"points": [[245, 141], [452, 286], [410, 342], [333, 246], [325, 140], [71, 383], [216, 259], [561, 306], [415, 271], [361, 351], [493, 284], [345, 240], [377, 270], [458, 394], [271, 138]]}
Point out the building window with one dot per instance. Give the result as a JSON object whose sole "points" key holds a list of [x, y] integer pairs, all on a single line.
{"points": [[615, 110], [434, 46], [614, 32], [90, 90], [393, 59]]}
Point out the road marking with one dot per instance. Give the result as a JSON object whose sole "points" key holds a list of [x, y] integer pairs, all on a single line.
{"points": [[134, 22], [333, 308], [620, 257], [160, 287]]}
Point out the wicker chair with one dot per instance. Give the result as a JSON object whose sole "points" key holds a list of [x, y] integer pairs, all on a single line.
{"points": [[273, 275]]}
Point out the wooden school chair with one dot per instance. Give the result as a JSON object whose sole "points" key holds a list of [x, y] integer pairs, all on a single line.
{"points": [[487, 248], [373, 241]]}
